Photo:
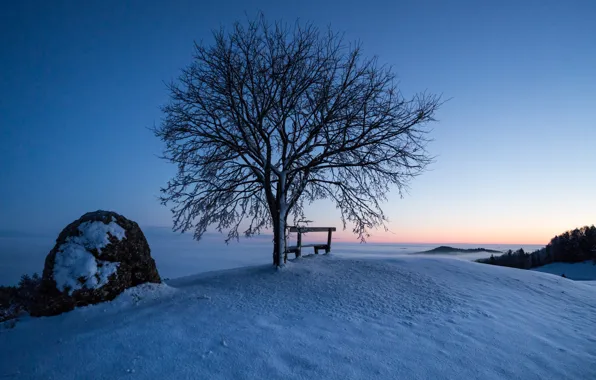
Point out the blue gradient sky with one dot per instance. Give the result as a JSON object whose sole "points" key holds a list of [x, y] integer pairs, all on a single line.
{"points": [[81, 82]]}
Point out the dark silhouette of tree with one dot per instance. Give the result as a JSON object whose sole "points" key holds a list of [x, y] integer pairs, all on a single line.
{"points": [[271, 117]]}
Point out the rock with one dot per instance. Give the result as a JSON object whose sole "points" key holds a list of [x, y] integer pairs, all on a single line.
{"points": [[95, 258]]}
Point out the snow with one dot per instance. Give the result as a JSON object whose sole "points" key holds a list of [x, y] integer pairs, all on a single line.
{"points": [[94, 235], [75, 266], [139, 295], [322, 317], [584, 271]]}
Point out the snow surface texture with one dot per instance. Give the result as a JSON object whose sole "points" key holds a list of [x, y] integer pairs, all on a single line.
{"points": [[585, 271], [75, 267], [323, 317]]}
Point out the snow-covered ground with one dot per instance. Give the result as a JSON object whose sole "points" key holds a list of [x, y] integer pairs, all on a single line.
{"points": [[585, 271], [323, 317]]}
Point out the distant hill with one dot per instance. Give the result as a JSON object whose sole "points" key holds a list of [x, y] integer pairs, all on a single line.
{"points": [[447, 249]]}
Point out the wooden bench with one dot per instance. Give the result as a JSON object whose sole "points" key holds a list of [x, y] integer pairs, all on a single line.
{"points": [[297, 249]]}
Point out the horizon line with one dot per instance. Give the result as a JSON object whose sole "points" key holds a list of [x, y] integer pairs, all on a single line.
{"points": [[341, 239]]}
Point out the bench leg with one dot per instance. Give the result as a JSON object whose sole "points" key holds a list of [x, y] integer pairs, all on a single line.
{"points": [[299, 245], [316, 251]]}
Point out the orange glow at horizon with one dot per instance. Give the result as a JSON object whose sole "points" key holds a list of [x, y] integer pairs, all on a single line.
{"points": [[509, 237], [414, 221]]}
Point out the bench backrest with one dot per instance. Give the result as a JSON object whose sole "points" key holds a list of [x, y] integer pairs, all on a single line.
{"points": [[311, 229]]}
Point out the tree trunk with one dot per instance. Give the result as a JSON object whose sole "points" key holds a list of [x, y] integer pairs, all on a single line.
{"points": [[279, 240], [279, 214], [276, 247]]}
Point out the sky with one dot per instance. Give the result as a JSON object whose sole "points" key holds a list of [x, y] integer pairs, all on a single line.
{"points": [[81, 84]]}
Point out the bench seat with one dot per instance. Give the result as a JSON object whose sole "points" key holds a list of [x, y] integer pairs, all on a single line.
{"points": [[294, 248]]}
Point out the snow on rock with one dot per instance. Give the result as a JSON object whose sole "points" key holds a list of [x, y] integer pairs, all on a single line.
{"points": [[323, 317], [95, 234], [75, 267]]}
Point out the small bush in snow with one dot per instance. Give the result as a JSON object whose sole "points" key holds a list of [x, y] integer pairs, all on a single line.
{"points": [[8, 309], [15, 300]]}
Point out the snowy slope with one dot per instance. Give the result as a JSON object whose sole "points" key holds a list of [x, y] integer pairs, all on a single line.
{"points": [[584, 271], [323, 317]]}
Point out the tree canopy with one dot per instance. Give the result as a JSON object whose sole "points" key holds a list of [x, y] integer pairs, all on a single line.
{"points": [[271, 117]]}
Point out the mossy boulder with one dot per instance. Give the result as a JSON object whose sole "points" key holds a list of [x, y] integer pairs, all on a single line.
{"points": [[95, 259]]}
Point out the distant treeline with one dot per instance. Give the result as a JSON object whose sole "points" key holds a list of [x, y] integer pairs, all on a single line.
{"points": [[570, 247]]}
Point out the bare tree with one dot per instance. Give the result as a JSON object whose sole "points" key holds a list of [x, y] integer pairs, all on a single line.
{"points": [[274, 116]]}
